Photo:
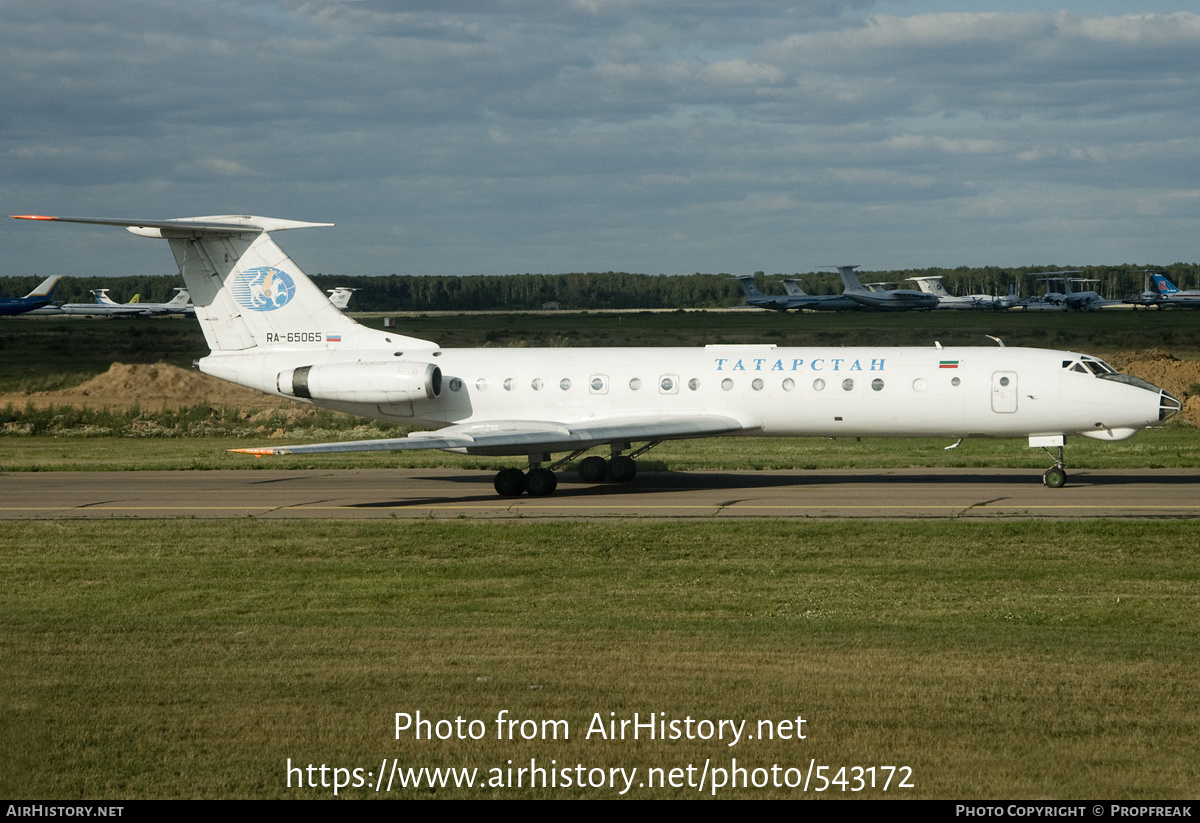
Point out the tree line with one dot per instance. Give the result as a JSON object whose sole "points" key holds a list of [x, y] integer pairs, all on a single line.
{"points": [[615, 290]]}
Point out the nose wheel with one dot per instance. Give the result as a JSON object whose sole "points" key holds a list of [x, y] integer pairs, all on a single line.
{"points": [[1055, 476]]}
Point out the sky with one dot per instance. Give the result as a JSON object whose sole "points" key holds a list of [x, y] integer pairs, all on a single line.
{"points": [[655, 136]]}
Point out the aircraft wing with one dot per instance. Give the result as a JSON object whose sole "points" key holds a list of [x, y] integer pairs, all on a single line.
{"points": [[507, 437]]}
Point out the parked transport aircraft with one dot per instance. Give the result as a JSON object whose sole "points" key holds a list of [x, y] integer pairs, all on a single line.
{"points": [[106, 306], [933, 285], [796, 298], [821, 302], [36, 299], [1069, 298], [340, 297], [269, 327], [1168, 294], [1089, 300], [886, 299]]}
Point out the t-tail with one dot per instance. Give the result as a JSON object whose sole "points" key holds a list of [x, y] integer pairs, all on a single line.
{"points": [[850, 280], [247, 293], [748, 286]]}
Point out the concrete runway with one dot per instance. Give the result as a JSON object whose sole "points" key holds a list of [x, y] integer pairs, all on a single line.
{"points": [[449, 493]]}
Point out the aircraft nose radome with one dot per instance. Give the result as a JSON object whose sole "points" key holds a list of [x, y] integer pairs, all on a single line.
{"points": [[1168, 405]]}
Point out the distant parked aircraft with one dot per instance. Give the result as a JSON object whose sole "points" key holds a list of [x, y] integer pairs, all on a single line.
{"points": [[933, 285], [1068, 298], [1168, 294], [1085, 300], [106, 306], [796, 298], [878, 296], [34, 300], [340, 296]]}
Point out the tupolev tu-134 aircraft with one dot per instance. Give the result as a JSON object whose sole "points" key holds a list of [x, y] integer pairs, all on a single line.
{"points": [[269, 327]]}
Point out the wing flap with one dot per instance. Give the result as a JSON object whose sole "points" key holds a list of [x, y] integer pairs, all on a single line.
{"points": [[510, 437]]}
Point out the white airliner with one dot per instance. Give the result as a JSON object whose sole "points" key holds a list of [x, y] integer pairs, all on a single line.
{"points": [[1168, 294], [106, 306], [933, 285], [269, 327]]}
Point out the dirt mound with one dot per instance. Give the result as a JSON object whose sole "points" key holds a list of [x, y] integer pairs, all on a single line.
{"points": [[150, 386]]}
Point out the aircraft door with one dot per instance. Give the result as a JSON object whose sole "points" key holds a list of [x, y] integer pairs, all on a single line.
{"points": [[1004, 392]]}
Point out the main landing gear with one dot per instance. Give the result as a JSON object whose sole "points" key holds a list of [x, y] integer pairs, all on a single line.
{"points": [[1055, 476], [541, 482]]}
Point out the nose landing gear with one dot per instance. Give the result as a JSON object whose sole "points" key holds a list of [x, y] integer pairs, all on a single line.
{"points": [[1055, 476]]}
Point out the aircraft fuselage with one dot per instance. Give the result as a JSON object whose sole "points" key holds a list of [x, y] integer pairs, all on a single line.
{"points": [[772, 391]]}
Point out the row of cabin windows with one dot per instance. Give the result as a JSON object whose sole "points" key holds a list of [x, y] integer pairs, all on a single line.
{"points": [[669, 384]]}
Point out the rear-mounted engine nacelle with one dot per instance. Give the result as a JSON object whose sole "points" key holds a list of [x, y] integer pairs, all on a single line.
{"points": [[396, 382]]}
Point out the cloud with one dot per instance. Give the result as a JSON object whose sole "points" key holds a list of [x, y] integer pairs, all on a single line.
{"points": [[518, 136]]}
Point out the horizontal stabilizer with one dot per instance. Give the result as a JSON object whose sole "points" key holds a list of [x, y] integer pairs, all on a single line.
{"points": [[216, 224]]}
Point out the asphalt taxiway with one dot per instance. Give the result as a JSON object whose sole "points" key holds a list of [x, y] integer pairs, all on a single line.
{"points": [[449, 493]]}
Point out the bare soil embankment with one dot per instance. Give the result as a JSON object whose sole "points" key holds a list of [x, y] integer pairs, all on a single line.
{"points": [[156, 386]]}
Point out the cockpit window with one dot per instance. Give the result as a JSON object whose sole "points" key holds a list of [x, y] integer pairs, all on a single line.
{"points": [[1089, 365], [1098, 366]]}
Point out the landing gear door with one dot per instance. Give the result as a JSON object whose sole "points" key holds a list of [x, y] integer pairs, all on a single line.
{"points": [[1004, 392]]}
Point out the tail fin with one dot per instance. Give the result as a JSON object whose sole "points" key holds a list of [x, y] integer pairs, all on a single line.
{"points": [[101, 296], [246, 291], [748, 287], [850, 280], [340, 297], [181, 297], [931, 285], [1164, 285], [46, 287], [794, 289]]}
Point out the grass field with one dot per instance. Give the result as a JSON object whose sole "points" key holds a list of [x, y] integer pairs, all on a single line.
{"points": [[186, 658], [194, 659]]}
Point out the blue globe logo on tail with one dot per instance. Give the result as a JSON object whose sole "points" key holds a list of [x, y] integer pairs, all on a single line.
{"points": [[263, 289]]}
